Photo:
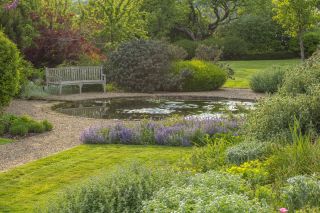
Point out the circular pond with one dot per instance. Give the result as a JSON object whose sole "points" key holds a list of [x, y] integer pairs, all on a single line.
{"points": [[154, 108]]}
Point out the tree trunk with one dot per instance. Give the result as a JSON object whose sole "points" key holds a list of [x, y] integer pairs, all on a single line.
{"points": [[301, 44]]}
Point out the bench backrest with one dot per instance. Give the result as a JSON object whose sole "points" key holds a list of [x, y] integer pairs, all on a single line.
{"points": [[92, 73]]}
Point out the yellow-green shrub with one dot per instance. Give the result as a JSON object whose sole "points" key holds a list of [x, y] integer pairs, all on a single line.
{"points": [[9, 70], [199, 75]]}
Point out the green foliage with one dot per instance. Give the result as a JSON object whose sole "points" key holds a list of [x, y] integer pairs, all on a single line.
{"points": [[267, 81], [254, 35], [209, 192], [36, 127], [18, 129], [208, 53], [254, 172], [200, 75], [162, 16], [176, 53], [2, 128], [299, 158], [302, 191], [47, 125], [211, 156], [140, 66], [115, 22], [247, 151], [233, 47], [28, 72], [110, 87], [274, 115], [189, 45], [9, 70], [32, 90], [121, 191], [311, 41], [299, 79], [21, 126], [297, 17], [17, 24]]}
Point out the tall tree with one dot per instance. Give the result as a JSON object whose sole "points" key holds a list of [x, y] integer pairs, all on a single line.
{"points": [[297, 17], [115, 21], [206, 15], [162, 16]]}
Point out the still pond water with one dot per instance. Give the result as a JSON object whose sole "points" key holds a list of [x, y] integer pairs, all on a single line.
{"points": [[154, 108]]}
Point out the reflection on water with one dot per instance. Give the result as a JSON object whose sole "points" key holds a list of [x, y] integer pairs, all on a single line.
{"points": [[139, 108]]}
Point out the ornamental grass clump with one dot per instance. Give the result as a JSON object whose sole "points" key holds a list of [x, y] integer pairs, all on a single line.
{"points": [[186, 132], [13, 126]]}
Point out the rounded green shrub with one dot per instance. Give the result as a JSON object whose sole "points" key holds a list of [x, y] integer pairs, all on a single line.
{"points": [[298, 80], [140, 65], [274, 116], [200, 75], [9, 70], [267, 81], [247, 151], [18, 129]]}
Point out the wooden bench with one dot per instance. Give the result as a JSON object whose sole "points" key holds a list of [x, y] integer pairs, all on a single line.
{"points": [[75, 76]]}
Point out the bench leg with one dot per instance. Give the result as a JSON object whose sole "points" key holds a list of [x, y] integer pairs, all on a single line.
{"points": [[104, 88], [60, 89], [80, 88]]}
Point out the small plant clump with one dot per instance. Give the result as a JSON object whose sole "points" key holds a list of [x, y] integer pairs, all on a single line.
{"points": [[12, 126]]}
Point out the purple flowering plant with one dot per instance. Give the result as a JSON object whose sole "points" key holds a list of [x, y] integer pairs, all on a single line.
{"points": [[183, 132]]}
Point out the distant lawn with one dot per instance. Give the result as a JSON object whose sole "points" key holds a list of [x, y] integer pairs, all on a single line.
{"points": [[5, 141], [26, 187], [245, 69]]}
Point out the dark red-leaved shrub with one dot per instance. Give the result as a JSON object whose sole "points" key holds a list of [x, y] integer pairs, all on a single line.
{"points": [[55, 46]]}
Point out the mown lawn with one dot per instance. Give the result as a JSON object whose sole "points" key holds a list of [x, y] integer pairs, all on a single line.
{"points": [[5, 141], [26, 187], [245, 69]]}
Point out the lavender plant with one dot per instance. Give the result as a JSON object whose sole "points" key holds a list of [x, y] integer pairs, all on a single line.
{"points": [[185, 132]]}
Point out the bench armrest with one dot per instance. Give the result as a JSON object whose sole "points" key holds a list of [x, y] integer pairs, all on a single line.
{"points": [[104, 77], [53, 78]]}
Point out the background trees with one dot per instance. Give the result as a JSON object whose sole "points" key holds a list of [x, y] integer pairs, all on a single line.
{"points": [[115, 21], [297, 17], [244, 29]]}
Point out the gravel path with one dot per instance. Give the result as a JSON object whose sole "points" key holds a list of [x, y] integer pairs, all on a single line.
{"points": [[67, 129]]}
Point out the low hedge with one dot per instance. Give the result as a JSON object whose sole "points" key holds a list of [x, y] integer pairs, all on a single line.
{"points": [[199, 75]]}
